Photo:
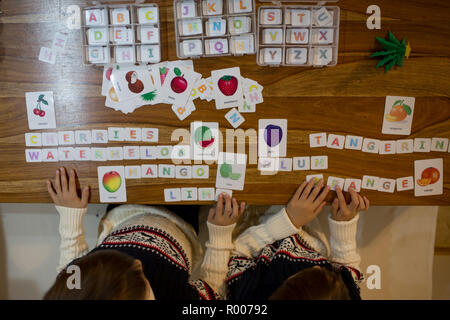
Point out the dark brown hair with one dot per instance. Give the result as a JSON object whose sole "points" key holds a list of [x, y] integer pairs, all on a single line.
{"points": [[317, 283], [105, 275]]}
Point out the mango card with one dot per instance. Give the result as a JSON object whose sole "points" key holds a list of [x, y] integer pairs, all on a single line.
{"points": [[111, 184]]}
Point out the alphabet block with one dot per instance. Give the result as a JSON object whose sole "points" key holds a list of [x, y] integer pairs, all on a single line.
{"points": [[319, 162], [387, 147], [189, 194], [120, 16], [272, 36], [370, 182], [439, 144], [83, 137], [187, 9], [33, 139], [191, 27], [192, 47], [332, 182], [33, 155], [322, 36], [301, 163], [270, 16], [183, 172], [149, 170], [422, 145], [96, 17], [317, 140], [148, 152], [122, 35], [386, 185], [370, 145], [150, 134], [322, 56], [99, 154], [271, 55], [200, 172], [166, 171], [82, 154], [49, 138], [206, 194], [234, 118], [98, 36], [50, 155], [66, 138], [132, 172], [114, 153], [240, 6], [212, 7], [172, 195], [239, 25], [125, 54], [116, 134], [405, 183], [216, 46], [148, 15], [216, 26], [150, 53], [131, 153], [352, 183], [99, 136], [149, 34], [297, 55], [353, 142], [242, 44], [323, 17], [297, 36], [66, 154], [98, 54], [336, 141], [300, 17]]}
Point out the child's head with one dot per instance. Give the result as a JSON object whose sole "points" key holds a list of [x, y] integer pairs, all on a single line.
{"points": [[104, 275], [312, 284]]}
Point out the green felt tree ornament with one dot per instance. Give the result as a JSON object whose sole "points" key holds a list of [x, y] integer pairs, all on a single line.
{"points": [[394, 52]]}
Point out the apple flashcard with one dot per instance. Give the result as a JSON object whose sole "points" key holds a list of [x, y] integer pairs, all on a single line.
{"points": [[428, 177], [398, 115], [231, 171], [227, 87], [272, 137], [205, 140], [178, 85], [40, 110], [111, 184]]}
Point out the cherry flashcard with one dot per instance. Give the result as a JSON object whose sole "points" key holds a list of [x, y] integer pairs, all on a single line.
{"points": [[40, 110]]}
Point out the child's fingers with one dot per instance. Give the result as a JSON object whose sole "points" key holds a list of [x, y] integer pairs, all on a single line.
{"points": [[362, 205], [241, 208], [58, 181], [235, 212], [50, 190], [300, 190], [335, 206], [316, 190], [227, 205], [85, 196], [63, 180], [211, 214], [320, 207], [355, 200], [219, 205], [341, 198], [321, 196], [72, 183], [307, 190], [367, 202]]}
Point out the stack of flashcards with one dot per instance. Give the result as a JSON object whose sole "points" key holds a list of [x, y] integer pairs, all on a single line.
{"points": [[121, 34], [214, 27], [297, 35]]}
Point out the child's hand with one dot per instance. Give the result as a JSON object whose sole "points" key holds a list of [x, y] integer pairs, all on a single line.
{"points": [[307, 202], [226, 215], [64, 191], [343, 212]]}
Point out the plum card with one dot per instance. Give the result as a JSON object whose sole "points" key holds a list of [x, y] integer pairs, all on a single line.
{"points": [[178, 85], [132, 82], [398, 115], [227, 84], [231, 171], [111, 184], [428, 177], [272, 137], [205, 140], [40, 110]]}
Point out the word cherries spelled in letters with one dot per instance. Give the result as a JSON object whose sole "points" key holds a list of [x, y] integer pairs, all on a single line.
{"points": [[214, 27], [121, 34], [298, 35]]}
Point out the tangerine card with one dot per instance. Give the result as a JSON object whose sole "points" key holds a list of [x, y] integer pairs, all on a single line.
{"points": [[227, 84], [111, 184], [428, 177], [398, 115]]}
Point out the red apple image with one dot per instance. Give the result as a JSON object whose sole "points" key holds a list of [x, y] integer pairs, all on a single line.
{"points": [[179, 83], [228, 85]]}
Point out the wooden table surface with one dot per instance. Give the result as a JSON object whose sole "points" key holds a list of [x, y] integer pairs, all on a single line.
{"points": [[346, 99]]}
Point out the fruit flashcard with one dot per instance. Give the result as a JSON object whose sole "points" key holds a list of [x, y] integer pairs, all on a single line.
{"points": [[111, 184], [132, 82], [428, 177], [227, 87], [398, 115], [231, 171], [205, 140], [272, 137], [178, 85], [40, 110]]}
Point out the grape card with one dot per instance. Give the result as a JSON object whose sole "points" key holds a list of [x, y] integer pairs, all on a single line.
{"points": [[111, 184], [428, 177], [178, 85], [398, 115], [40, 110], [231, 171], [227, 84], [205, 140], [272, 137]]}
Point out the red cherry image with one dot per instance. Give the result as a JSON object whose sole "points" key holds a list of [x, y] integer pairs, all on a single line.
{"points": [[42, 113], [178, 84], [36, 111], [228, 85]]}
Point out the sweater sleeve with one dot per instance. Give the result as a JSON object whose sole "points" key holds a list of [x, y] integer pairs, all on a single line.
{"points": [[215, 262], [252, 240], [73, 244], [343, 243]]}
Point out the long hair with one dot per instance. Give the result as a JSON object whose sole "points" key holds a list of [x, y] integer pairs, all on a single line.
{"points": [[105, 275], [316, 283]]}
